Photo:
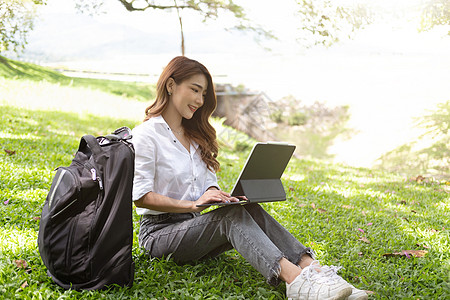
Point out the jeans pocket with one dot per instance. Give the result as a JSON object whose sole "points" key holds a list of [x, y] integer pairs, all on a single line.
{"points": [[180, 217], [150, 224], [148, 220]]}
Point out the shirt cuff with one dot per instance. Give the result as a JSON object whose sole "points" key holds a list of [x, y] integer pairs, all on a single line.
{"points": [[213, 186], [138, 193]]}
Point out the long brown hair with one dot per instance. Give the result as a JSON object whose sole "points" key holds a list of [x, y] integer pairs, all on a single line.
{"points": [[198, 127]]}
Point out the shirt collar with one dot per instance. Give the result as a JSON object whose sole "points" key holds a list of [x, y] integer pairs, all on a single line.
{"points": [[160, 120]]}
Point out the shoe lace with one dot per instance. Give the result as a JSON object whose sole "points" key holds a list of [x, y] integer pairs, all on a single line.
{"points": [[314, 273], [331, 271]]}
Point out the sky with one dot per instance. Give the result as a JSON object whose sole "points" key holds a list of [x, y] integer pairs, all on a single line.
{"points": [[388, 73]]}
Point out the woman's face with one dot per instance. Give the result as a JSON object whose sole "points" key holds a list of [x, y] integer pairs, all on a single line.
{"points": [[189, 95]]}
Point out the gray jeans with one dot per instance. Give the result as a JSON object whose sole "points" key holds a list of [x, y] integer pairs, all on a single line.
{"points": [[249, 229]]}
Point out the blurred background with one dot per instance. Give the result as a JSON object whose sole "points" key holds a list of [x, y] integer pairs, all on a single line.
{"points": [[360, 82]]}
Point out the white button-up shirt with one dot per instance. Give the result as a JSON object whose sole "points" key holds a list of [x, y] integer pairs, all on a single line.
{"points": [[164, 166]]}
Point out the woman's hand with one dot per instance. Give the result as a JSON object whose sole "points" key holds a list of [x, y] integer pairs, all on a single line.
{"points": [[213, 196]]}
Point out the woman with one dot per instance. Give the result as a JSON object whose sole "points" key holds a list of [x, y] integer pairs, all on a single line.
{"points": [[175, 167]]}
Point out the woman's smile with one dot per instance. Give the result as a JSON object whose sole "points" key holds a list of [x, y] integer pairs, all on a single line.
{"points": [[193, 108]]}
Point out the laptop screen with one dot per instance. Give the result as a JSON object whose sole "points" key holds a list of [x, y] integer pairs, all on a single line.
{"points": [[266, 161]]}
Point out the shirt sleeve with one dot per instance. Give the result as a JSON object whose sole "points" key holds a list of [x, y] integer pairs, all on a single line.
{"points": [[144, 164], [211, 180]]}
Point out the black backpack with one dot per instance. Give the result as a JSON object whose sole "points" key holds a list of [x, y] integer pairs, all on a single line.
{"points": [[86, 231]]}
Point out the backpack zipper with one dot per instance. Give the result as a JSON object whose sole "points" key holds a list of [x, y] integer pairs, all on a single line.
{"points": [[95, 177], [93, 172]]}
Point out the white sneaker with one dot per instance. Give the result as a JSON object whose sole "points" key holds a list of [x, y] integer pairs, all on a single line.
{"points": [[312, 283], [357, 294], [331, 271]]}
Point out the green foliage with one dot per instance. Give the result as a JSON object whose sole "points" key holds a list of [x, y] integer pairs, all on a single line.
{"points": [[325, 23], [297, 119], [207, 9], [327, 208], [240, 146], [16, 20], [438, 121], [430, 154], [314, 127], [277, 116], [434, 13], [20, 70]]}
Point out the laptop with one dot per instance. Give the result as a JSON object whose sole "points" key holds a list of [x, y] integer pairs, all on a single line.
{"points": [[260, 178]]}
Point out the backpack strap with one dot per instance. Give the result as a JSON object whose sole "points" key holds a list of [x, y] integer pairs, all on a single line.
{"points": [[91, 141], [122, 133]]}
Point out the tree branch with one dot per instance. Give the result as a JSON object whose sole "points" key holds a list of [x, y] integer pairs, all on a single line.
{"points": [[129, 6], [208, 9]]}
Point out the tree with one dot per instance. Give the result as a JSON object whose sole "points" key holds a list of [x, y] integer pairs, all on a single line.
{"points": [[207, 9], [435, 12], [16, 21], [325, 23], [430, 152]]}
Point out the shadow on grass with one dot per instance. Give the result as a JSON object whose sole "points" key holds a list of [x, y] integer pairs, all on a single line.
{"points": [[33, 143], [43, 140], [359, 215], [344, 193], [15, 69], [38, 136]]}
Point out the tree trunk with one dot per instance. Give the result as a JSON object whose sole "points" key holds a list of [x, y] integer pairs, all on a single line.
{"points": [[181, 27]]}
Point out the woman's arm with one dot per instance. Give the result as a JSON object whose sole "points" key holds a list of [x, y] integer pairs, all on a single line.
{"points": [[162, 203]]}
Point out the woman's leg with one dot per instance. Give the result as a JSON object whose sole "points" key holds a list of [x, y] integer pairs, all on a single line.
{"points": [[292, 249], [198, 237], [289, 271], [296, 256], [219, 230]]}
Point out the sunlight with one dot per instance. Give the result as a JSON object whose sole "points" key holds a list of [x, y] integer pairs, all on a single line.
{"points": [[14, 241], [383, 76], [387, 74], [442, 206], [296, 177], [47, 96], [28, 136]]}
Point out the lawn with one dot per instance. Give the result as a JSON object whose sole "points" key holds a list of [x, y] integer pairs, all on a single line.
{"points": [[26, 71], [354, 218]]}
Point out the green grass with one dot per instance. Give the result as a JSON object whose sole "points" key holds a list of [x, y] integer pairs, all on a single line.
{"points": [[326, 208], [26, 71]]}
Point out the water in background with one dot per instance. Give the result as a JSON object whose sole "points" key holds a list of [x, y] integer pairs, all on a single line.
{"points": [[387, 76]]}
